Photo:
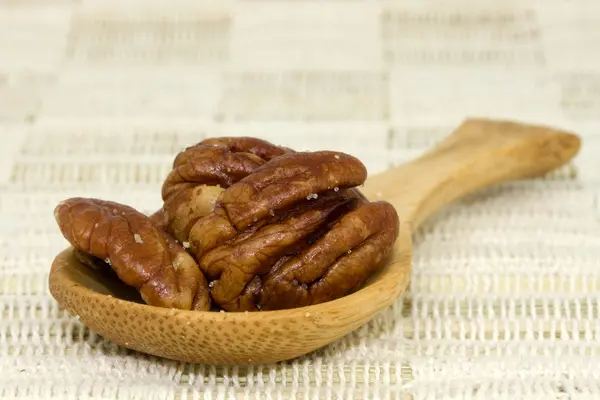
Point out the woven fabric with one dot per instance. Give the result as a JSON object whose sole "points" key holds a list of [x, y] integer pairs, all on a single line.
{"points": [[96, 98]]}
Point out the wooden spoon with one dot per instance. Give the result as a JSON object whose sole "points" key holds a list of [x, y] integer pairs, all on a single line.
{"points": [[478, 154]]}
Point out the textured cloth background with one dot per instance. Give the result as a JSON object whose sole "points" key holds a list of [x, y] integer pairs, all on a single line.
{"points": [[96, 98]]}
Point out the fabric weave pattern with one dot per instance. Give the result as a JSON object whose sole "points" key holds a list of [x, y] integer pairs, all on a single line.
{"points": [[97, 97]]}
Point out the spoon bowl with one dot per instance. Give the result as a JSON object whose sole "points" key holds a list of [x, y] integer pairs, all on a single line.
{"points": [[479, 153]]}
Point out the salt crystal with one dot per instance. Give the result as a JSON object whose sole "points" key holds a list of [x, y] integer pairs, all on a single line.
{"points": [[259, 306], [271, 213], [126, 344], [77, 317], [304, 286], [137, 238], [177, 264], [349, 251], [312, 196], [222, 311], [336, 189], [107, 260], [337, 156], [211, 284], [186, 245]]}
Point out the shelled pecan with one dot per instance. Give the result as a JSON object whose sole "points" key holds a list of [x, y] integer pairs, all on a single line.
{"points": [[141, 254]]}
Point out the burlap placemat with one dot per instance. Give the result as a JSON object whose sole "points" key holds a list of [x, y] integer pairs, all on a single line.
{"points": [[97, 97]]}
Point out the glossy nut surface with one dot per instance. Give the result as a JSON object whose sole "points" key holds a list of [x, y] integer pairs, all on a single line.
{"points": [[141, 254], [294, 231]]}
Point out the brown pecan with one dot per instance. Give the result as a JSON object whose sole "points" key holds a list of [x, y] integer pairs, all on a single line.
{"points": [[201, 172], [292, 232], [340, 262], [141, 254]]}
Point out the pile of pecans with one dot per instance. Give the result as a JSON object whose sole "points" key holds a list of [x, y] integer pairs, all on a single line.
{"points": [[245, 225]]}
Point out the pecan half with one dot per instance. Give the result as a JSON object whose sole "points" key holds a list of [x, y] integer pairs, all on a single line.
{"points": [[141, 254], [201, 172], [340, 262], [292, 232]]}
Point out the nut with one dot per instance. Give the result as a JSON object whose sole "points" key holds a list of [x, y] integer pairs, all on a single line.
{"points": [[201, 172], [340, 262], [292, 232], [141, 254]]}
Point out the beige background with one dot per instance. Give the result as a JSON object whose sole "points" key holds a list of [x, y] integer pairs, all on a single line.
{"points": [[96, 98]]}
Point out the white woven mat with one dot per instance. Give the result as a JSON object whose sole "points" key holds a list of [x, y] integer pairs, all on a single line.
{"points": [[97, 97]]}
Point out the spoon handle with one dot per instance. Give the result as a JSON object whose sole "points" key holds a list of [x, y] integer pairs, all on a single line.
{"points": [[479, 153]]}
